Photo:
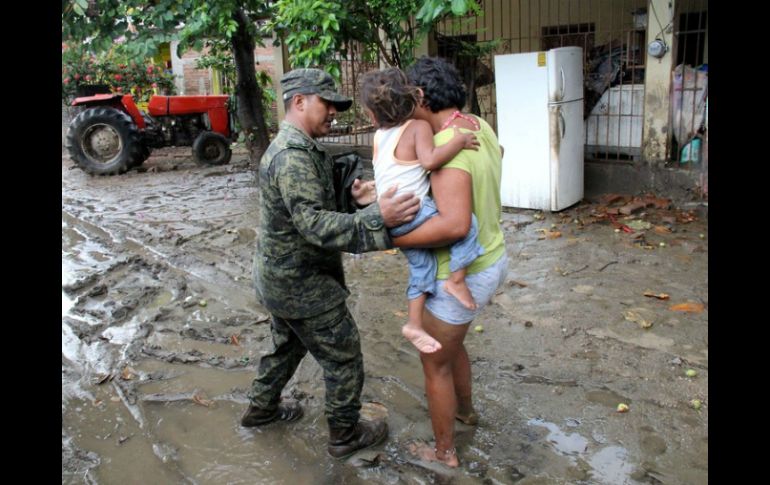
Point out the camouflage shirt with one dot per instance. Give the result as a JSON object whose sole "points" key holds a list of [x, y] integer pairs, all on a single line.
{"points": [[298, 266]]}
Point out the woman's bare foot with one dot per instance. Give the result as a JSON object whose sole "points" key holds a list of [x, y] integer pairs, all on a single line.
{"points": [[420, 339], [425, 452], [462, 293], [471, 419]]}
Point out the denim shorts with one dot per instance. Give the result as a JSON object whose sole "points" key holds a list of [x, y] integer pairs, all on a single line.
{"points": [[483, 285]]}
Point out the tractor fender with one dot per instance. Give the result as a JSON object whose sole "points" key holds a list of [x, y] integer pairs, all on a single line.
{"points": [[96, 99], [119, 101], [133, 111]]}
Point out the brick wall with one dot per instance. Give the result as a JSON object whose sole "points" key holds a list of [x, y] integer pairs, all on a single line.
{"points": [[198, 81]]}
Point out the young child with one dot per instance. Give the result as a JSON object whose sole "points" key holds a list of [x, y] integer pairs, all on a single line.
{"points": [[403, 155]]}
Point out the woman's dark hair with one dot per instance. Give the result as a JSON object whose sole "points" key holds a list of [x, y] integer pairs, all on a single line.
{"points": [[389, 96], [440, 82]]}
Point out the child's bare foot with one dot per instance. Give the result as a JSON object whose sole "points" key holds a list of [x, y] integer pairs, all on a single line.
{"points": [[420, 339], [462, 293], [425, 452]]}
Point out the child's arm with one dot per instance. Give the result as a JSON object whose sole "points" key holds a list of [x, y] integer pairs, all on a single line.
{"points": [[432, 157]]}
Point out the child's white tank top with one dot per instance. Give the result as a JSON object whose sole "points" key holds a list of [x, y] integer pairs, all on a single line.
{"points": [[389, 170]]}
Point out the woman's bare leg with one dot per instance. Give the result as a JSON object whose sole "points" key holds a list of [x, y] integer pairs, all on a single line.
{"points": [[439, 370]]}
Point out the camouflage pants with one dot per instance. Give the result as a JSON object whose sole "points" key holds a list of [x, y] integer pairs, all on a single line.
{"points": [[332, 339]]}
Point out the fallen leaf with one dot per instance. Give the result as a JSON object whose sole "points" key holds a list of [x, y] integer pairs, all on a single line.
{"points": [[197, 399], [618, 225], [391, 251], [622, 408], [658, 203], [517, 283], [635, 316], [687, 307], [399, 313], [128, 373], [659, 296], [640, 241], [686, 217], [234, 340], [608, 199], [662, 230], [583, 289], [633, 207], [549, 234], [639, 225]]}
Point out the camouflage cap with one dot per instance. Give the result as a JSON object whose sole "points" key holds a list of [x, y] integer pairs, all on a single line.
{"points": [[313, 81]]}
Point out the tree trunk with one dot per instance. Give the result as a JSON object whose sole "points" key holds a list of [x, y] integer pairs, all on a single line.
{"points": [[251, 113]]}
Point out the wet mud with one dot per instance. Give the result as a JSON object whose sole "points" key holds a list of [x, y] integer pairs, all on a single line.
{"points": [[161, 335]]}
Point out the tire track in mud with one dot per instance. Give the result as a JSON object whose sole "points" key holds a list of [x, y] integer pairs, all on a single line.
{"points": [[151, 284], [131, 280]]}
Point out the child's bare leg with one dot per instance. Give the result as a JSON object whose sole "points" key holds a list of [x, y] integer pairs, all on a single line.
{"points": [[413, 330], [455, 286]]}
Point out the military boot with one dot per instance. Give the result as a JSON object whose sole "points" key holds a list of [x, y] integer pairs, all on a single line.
{"points": [[286, 411], [345, 441]]}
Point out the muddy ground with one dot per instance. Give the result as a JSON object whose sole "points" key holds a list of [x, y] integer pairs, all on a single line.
{"points": [[161, 336]]}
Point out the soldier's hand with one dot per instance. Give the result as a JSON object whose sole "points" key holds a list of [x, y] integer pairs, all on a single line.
{"points": [[364, 193], [398, 210]]}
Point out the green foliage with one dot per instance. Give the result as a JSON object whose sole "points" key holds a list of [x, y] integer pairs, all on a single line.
{"points": [[432, 11], [268, 95], [218, 56], [310, 30], [121, 74], [318, 33]]}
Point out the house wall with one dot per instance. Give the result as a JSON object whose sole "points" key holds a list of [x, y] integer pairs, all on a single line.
{"points": [[521, 21], [193, 81], [518, 25]]}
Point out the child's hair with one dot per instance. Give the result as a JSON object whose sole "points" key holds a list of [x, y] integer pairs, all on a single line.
{"points": [[388, 94]]}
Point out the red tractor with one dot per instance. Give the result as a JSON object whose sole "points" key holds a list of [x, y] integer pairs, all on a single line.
{"points": [[112, 136]]}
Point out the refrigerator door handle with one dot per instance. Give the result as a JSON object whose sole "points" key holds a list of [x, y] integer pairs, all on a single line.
{"points": [[563, 84], [563, 123]]}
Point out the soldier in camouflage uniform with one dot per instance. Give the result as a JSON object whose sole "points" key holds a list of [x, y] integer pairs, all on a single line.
{"points": [[298, 266]]}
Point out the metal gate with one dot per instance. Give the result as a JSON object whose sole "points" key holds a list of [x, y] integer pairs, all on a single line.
{"points": [[688, 136], [614, 38], [612, 35], [353, 126]]}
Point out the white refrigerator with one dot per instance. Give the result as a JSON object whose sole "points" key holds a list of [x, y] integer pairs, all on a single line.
{"points": [[540, 126]]}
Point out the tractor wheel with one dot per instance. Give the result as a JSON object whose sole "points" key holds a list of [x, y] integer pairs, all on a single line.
{"points": [[104, 141], [211, 148], [146, 150]]}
